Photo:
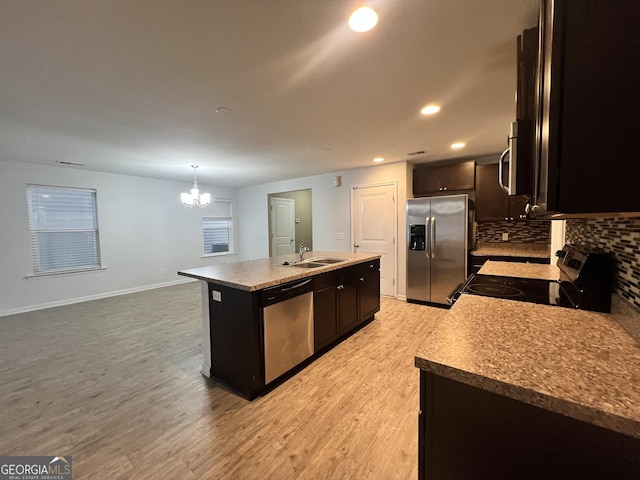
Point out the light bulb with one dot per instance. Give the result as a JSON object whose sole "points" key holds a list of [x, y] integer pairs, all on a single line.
{"points": [[363, 19]]}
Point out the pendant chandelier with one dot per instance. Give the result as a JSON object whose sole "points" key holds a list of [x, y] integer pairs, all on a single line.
{"points": [[194, 198]]}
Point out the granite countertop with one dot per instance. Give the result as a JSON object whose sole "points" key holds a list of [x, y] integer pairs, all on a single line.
{"points": [[520, 270], [585, 365], [266, 272], [577, 363], [508, 249]]}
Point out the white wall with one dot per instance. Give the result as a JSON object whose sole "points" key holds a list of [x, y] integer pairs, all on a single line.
{"points": [[331, 211], [144, 230]]}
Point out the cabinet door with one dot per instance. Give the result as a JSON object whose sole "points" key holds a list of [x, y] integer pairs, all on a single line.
{"points": [[427, 180], [368, 295], [492, 202], [458, 176], [347, 306], [325, 317]]}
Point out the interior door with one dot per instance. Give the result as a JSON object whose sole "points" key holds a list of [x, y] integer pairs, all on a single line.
{"points": [[374, 221], [282, 225]]}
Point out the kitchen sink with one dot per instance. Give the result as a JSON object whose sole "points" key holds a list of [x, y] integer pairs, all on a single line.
{"points": [[307, 264], [325, 260], [316, 262]]}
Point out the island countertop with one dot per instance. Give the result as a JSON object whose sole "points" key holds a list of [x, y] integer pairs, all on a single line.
{"points": [[262, 273], [573, 362]]}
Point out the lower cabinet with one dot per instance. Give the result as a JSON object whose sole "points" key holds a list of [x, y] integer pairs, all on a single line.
{"points": [[368, 291], [325, 319], [343, 299], [465, 432], [347, 293]]}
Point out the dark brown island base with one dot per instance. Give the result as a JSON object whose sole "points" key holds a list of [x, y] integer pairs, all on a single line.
{"points": [[264, 320], [514, 390]]}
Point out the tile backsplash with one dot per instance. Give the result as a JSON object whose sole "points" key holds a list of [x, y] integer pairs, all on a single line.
{"points": [[619, 237], [519, 232]]}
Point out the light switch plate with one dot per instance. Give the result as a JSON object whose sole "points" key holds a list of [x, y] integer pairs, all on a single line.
{"points": [[216, 296], [505, 236]]}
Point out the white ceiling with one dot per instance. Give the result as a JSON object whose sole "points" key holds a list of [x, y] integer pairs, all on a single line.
{"points": [[132, 86]]}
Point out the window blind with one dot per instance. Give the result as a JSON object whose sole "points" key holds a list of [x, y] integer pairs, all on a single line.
{"points": [[217, 223], [63, 229]]}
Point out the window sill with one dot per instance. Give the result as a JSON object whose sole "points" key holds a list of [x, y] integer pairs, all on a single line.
{"points": [[218, 254], [64, 274]]}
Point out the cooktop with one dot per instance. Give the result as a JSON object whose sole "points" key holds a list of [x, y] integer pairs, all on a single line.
{"points": [[586, 279], [546, 292]]}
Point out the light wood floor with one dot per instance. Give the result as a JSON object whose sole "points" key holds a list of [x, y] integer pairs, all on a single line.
{"points": [[116, 383]]}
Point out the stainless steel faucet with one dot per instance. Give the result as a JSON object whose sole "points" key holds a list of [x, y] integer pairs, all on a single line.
{"points": [[302, 249]]}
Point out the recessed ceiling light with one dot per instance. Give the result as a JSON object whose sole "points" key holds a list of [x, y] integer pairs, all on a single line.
{"points": [[458, 145], [378, 159], [430, 109], [363, 19]]}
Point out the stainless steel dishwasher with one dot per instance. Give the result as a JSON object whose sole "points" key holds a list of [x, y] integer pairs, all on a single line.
{"points": [[288, 327]]}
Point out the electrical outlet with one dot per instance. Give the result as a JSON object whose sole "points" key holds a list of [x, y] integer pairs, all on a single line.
{"points": [[505, 237]]}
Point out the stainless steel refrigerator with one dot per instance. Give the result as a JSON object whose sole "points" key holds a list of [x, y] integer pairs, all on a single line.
{"points": [[437, 246]]}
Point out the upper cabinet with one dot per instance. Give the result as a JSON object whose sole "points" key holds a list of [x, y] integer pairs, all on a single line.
{"points": [[492, 202], [588, 99], [429, 180]]}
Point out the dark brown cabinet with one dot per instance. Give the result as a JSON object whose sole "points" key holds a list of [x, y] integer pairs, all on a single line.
{"points": [[347, 293], [428, 180], [588, 107], [492, 202], [369, 291], [466, 432], [343, 299], [325, 318]]}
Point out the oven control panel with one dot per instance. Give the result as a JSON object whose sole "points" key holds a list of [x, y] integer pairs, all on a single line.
{"points": [[584, 267]]}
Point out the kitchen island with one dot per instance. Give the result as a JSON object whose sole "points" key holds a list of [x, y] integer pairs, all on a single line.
{"points": [[343, 294], [519, 390]]}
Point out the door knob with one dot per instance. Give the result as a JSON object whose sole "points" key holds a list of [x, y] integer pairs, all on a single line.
{"points": [[356, 245]]}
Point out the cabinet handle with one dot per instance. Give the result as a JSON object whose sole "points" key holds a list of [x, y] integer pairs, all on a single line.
{"points": [[444, 188], [340, 287], [362, 279]]}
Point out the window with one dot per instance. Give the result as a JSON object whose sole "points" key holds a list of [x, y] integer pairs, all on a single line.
{"points": [[63, 228], [217, 227]]}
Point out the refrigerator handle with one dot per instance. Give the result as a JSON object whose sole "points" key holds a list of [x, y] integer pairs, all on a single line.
{"points": [[428, 239], [433, 237]]}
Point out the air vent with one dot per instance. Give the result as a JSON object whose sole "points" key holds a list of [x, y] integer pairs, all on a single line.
{"points": [[417, 152], [73, 164]]}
